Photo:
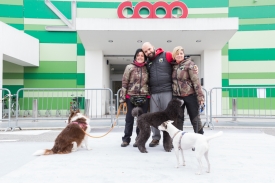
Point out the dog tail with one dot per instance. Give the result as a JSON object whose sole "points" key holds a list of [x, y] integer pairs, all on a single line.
{"points": [[43, 152], [214, 136], [137, 111]]}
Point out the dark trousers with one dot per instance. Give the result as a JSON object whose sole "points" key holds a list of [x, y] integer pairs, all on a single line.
{"points": [[192, 106], [129, 121]]}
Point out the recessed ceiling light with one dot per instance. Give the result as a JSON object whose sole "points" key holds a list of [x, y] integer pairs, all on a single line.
{"points": [[169, 41], [198, 41], [139, 41], [110, 41]]}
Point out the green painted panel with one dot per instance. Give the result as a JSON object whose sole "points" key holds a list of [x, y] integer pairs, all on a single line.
{"points": [[80, 86], [80, 79], [53, 37], [18, 26], [246, 92], [267, 75], [11, 11], [54, 76], [50, 103], [233, 3], [225, 82], [12, 75], [257, 27], [225, 49], [257, 21], [225, 75], [254, 103], [80, 49], [78, 39], [216, 15], [48, 83], [98, 4], [225, 94], [189, 3], [252, 12], [53, 67], [12, 2], [251, 54], [12, 20], [205, 4], [38, 9], [14, 88], [34, 27]]}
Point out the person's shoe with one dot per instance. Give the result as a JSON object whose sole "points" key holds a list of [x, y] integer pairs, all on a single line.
{"points": [[124, 144], [154, 143], [135, 144]]}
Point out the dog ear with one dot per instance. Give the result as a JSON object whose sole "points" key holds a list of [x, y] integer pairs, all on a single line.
{"points": [[165, 124], [170, 121]]}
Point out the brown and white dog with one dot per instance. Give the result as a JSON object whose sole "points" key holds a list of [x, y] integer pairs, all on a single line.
{"points": [[70, 137]]}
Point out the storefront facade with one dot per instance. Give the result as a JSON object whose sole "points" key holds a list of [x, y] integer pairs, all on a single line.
{"points": [[76, 57]]}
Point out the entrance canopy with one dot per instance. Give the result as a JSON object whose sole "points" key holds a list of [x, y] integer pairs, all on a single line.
{"points": [[124, 36]]}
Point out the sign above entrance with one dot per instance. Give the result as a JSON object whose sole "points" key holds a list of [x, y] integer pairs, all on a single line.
{"points": [[152, 9]]}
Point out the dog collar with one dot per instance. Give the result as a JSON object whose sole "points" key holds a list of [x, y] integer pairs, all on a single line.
{"points": [[80, 124], [175, 134], [180, 140]]}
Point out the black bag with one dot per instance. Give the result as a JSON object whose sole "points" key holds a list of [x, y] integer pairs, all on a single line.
{"points": [[138, 100]]}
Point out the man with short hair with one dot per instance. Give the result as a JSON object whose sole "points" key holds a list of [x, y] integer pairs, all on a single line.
{"points": [[160, 82]]}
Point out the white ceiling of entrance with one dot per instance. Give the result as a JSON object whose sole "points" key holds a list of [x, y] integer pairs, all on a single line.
{"points": [[119, 38]]}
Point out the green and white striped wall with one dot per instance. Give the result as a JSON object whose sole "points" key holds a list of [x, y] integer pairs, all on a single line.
{"points": [[247, 60]]}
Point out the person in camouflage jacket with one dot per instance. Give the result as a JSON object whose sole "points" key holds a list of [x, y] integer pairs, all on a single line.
{"points": [[134, 83], [186, 85]]}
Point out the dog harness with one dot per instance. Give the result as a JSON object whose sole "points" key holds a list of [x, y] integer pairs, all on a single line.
{"points": [[180, 138]]}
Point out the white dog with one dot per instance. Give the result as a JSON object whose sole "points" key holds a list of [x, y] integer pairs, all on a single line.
{"points": [[183, 141]]}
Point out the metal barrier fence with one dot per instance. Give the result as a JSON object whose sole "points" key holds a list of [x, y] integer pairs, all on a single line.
{"points": [[242, 102], [6, 106], [56, 103]]}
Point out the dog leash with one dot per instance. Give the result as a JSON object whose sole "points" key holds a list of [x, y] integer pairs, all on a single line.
{"points": [[122, 106]]}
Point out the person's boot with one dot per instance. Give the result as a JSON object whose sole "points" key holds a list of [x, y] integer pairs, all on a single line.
{"points": [[124, 144], [154, 143]]}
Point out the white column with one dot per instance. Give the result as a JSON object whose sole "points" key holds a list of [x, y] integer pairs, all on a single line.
{"points": [[94, 79], [212, 76]]}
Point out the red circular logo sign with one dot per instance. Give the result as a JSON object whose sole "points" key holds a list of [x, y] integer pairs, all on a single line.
{"points": [[152, 9]]}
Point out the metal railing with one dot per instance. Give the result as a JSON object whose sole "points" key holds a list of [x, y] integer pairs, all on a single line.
{"points": [[36, 104], [57, 103], [242, 102], [6, 107]]}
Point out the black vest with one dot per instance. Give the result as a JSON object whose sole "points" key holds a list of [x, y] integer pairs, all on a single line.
{"points": [[160, 74]]}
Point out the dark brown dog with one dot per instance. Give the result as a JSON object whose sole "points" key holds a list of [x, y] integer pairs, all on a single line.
{"points": [[144, 121]]}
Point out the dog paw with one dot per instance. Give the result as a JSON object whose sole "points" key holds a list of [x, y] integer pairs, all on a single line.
{"points": [[198, 173], [183, 164], [177, 166], [89, 148], [207, 171]]}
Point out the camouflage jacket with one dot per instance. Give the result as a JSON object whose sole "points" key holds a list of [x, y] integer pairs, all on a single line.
{"points": [[186, 80], [134, 82]]}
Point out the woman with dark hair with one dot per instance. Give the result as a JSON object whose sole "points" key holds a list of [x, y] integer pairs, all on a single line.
{"points": [[134, 92]]}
